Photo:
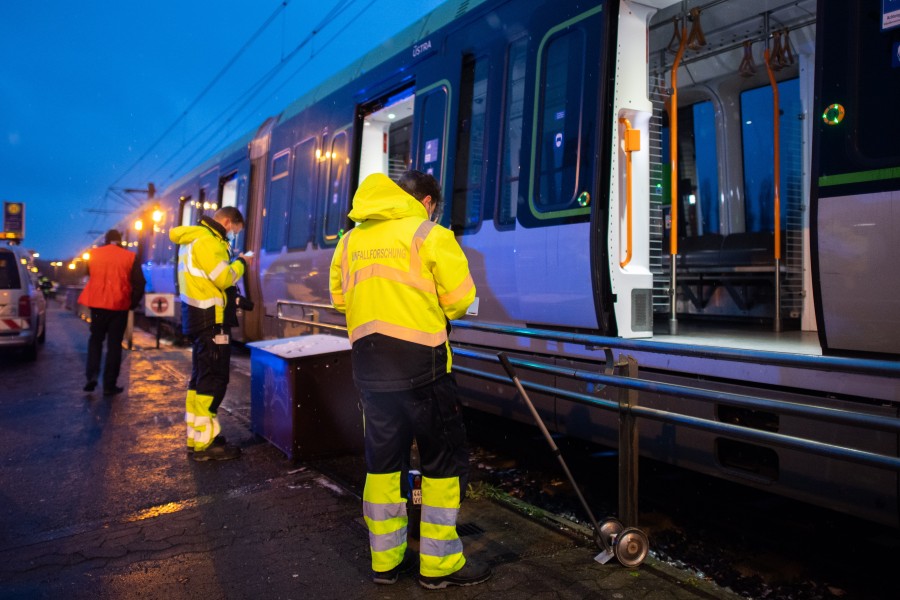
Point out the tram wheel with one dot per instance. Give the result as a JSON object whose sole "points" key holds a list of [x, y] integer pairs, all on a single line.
{"points": [[632, 546], [609, 529]]}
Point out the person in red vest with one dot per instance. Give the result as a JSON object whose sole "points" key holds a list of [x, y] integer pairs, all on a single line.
{"points": [[115, 286]]}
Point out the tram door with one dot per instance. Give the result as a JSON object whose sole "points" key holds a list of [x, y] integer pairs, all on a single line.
{"points": [[233, 191], [387, 125]]}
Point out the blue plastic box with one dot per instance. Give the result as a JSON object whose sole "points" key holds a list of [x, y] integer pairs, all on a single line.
{"points": [[302, 397]]}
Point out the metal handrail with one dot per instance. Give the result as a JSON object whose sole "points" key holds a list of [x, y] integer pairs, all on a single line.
{"points": [[832, 415], [735, 431], [675, 203], [776, 144], [280, 315], [864, 366]]}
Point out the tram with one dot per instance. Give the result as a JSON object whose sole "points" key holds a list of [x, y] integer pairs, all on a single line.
{"points": [[712, 172]]}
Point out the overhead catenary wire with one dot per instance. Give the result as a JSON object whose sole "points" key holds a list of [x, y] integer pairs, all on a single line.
{"points": [[296, 72], [241, 102], [205, 91]]}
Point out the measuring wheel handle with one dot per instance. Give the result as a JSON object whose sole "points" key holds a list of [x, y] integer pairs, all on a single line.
{"points": [[631, 547], [504, 360]]}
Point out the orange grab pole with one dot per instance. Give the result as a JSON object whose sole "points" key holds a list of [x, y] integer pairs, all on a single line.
{"points": [[632, 141], [673, 145], [776, 142]]}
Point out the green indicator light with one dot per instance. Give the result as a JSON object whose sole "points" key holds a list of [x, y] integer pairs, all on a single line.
{"points": [[833, 115]]}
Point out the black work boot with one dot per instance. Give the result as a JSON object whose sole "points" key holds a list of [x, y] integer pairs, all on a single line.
{"points": [[472, 573], [409, 562], [217, 451]]}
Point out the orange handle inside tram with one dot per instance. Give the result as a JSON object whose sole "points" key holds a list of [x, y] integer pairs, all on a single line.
{"points": [[632, 142], [673, 146], [776, 142]]}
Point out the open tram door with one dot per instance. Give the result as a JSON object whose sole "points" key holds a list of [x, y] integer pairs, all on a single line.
{"points": [[629, 216], [385, 134], [252, 195], [233, 187]]}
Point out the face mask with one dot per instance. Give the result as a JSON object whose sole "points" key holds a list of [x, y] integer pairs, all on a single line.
{"points": [[230, 235]]}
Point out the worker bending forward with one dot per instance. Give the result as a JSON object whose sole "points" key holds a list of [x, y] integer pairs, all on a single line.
{"points": [[399, 278]]}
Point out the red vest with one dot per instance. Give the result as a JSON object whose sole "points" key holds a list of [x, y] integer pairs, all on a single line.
{"points": [[109, 285]]}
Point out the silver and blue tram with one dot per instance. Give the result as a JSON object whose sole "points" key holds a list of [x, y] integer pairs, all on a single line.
{"points": [[708, 172]]}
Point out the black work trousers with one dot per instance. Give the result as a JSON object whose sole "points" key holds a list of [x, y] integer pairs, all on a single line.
{"points": [[210, 365], [432, 415], [106, 325]]}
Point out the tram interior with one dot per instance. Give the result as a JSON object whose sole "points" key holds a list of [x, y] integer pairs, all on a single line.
{"points": [[386, 143], [726, 151]]}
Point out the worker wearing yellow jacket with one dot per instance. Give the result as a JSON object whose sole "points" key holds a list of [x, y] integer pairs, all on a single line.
{"points": [[205, 270], [400, 278]]}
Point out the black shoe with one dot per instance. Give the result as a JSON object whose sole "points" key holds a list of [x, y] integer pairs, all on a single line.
{"points": [[90, 386], [217, 452], [409, 562], [472, 573], [112, 391]]}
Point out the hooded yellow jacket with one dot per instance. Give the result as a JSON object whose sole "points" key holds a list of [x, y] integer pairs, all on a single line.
{"points": [[397, 274], [205, 270]]}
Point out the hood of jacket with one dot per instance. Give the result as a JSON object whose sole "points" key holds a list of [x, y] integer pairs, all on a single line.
{"points": [[185, 234], [380, 199]]}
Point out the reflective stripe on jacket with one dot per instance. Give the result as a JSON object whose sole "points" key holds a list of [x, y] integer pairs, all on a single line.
{"points": [[205, 268], [397, 273], [109, 282]]}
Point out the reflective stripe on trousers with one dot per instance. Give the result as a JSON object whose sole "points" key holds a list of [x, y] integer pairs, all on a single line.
{"points": [[190, 412], [384, 509], [440, 549], [206, 423]]}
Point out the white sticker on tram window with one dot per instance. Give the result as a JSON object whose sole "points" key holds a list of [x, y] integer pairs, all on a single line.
{"points": [[431, 147], [890, 14]]}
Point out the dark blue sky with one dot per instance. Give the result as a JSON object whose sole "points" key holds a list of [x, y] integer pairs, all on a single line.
{"points": [[88, 88]]}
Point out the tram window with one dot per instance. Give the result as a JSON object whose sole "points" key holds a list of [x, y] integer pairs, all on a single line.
{"points": [[304, 194], [878, 81], [187, 211], [558, 134], [336, 199], [277, 202], [468, 182], [698, 172], [757, 132], [512, 133], [431, 141], [228, 193], [229, 189]]}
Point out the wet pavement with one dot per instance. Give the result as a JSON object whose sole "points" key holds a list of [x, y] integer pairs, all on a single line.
{"points": [[99, 499]]}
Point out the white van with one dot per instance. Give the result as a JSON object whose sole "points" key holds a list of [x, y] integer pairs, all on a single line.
{"points": [[23, 310]]}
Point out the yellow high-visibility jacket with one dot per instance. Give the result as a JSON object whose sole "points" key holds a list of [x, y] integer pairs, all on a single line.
{"points": [[205, 270], [397, 273]]}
